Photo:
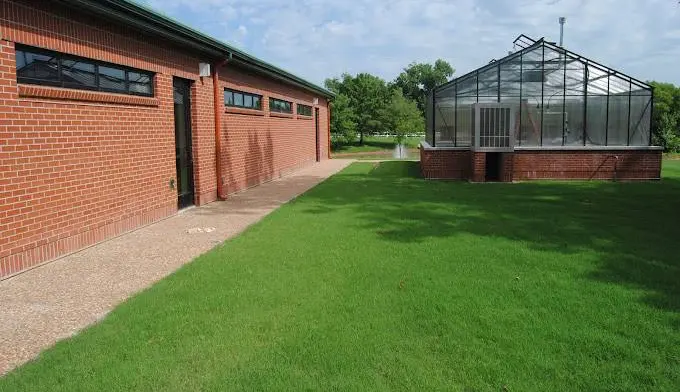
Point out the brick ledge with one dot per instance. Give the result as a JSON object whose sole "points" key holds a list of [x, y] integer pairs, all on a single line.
{"points": [[282, 115], [244, 111]]}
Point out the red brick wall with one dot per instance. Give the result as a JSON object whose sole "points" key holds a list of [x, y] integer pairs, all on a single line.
{"points": [[445, 164], [629, 164], [259, 146], [545, 164], [78, 167]]}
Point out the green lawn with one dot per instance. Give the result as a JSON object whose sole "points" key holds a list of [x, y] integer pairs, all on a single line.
{"points": [[376, 143], [378, 280]]}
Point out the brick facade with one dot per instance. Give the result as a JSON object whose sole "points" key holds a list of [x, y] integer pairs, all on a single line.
{"points": [[568, 165], [259, 145], [78, 167], [609, 164], [450, 164]]}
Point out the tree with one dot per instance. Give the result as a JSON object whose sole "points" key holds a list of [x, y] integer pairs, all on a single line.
{"points": [[403, 117], [666, 131], [368, 95], [666, 121], [418, 79], [343, 119]]}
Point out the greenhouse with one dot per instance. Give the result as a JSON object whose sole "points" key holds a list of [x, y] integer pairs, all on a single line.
{"points": [[542, 98]]}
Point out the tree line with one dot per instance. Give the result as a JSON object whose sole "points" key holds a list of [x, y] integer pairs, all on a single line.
{"points": [[366, 104]]}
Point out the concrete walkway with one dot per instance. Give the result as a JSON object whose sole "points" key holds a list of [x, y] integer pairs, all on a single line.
{"points": [[56, 300]]}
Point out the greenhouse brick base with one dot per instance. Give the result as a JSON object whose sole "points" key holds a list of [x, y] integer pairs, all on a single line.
{"points": [[455, 163]]}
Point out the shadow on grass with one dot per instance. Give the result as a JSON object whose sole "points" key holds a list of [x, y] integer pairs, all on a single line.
{"points": [[633, 227]]}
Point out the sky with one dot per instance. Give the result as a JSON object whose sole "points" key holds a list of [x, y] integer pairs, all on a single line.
{"points": [[318, 39]]}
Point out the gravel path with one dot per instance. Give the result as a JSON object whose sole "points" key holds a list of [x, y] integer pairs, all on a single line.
{"points": [[55, 301]]}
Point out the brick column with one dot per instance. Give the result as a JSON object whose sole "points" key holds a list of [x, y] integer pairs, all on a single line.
{"points": [[507, 159], [478, 167]]}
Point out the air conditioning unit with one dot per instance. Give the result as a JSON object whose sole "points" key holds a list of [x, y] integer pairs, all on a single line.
{"points": [[494, 127]]}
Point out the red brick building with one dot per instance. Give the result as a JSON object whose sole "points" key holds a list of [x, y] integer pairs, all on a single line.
{"points": [[108, 116], [542, 112]]}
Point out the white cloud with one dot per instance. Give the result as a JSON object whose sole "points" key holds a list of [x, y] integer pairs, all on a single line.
{"points": [[322, 38]]}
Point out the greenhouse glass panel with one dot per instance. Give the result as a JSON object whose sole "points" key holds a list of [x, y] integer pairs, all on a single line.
{"points": [[573, 121], [530, 122], [596, 120], [488, 83], [465, 122], [575, 80], [597, 81], [429, 119], [511, 77], [618, 111], [640, 114], [553, 121], [444, 121], [467, 87]]}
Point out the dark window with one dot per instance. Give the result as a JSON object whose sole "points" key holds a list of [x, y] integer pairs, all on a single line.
{"points": [[78, 74], [44, 67], [304, 110], [37, 68], [111, 79], [140, 83], [281, 106], [242, 100]]}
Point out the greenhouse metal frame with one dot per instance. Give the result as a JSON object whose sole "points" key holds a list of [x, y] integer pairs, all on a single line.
{"points": [[542, 96]]}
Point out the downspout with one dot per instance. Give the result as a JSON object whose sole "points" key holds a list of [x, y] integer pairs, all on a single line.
{"points": [[328, 105], [218, 103]]}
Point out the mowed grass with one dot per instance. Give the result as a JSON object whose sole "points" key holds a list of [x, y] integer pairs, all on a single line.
{"points": [[379, 280], [376, 144]]}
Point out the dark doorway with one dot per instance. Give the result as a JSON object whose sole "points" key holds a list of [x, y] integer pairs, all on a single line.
{"points": [[184, 163], [316, 132], [493, 166]]}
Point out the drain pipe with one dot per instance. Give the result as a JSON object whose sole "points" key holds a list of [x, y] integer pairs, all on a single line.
{"points": [[328, 121], [218, 103]]}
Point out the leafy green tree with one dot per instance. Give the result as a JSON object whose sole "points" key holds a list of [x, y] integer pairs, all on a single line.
{"points": [[666, 121], [368, 95], [666, 132], [403, 117], [418, 79], [343, 120]]}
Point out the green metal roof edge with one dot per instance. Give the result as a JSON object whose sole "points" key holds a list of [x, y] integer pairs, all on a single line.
{"points": [[152, 15]]}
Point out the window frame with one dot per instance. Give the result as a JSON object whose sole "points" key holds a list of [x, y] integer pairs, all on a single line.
{"points": [[244, 94], [60, 56], [272, 99], [301, 105]]}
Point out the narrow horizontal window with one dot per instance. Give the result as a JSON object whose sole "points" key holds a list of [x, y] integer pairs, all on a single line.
{"points": [[240, 99], [304, 110], [45, 67], [279, 105]]}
